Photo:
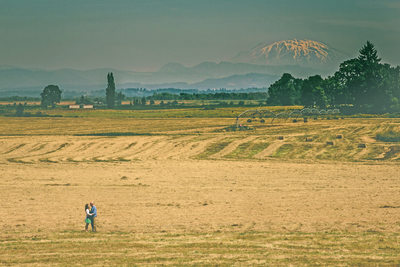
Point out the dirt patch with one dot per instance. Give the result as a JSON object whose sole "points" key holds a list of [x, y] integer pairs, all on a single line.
{"points": [[368, 139]]}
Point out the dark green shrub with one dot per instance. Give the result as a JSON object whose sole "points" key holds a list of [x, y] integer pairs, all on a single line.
{"points": [[389, 136]]}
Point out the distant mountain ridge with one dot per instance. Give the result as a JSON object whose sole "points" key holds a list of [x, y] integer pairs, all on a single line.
{"points": [[205, 75], [266, 61], [243, 81]]}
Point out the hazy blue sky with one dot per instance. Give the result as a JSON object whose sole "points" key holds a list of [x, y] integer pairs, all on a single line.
{"points": [[145, 34]]}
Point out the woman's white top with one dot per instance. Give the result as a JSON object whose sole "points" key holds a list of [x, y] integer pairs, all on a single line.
{"points": [[87, 212]]}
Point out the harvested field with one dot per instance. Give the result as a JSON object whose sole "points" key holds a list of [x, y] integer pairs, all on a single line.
{"points": [[185, 192], [35, 139]]}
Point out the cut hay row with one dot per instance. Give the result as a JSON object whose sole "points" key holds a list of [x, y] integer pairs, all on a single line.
{"points": [[232, 146], [270, 150], [347, 140], [219, 147]]}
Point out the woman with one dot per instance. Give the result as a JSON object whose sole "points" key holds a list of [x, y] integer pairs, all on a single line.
{"points": [[88, 217]]}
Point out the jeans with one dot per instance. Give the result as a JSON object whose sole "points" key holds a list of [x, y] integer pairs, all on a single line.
{"points": [[92, 223]]}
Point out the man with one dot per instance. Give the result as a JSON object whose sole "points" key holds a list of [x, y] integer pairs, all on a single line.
{"points": [[93, 211]]}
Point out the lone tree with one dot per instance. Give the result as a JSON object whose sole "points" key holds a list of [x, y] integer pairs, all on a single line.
{"points": [[19, 110], [50, 96], [110, 91]]}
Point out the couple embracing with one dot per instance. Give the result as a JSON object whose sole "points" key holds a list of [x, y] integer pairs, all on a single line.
{"points": [[91, 214]]}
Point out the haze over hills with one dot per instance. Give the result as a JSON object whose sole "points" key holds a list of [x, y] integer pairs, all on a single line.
{"points": [[83, 85], [258, 67]]}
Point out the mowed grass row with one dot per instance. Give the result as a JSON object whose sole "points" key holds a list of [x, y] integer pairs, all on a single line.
{"points": [[247, 150], [344, 152], [339, 140], [319, 145], [231, 148], [216, 248]]}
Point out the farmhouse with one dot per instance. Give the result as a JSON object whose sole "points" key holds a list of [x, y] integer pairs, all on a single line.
{"points": [[80, 106]]}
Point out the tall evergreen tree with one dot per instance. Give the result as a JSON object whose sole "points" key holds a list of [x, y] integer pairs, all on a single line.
{"points": [[369, 54], [110, 91], [368, 78]]}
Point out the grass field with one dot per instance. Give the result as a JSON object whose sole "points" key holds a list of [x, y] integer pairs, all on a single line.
{"points": [[225, 249], [147, 112], [187, 191]]}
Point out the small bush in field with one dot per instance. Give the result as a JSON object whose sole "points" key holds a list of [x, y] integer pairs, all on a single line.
{"points": [[389, 136]]}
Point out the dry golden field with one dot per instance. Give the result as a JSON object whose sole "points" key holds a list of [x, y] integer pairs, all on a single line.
{"points": [[188, 191]]}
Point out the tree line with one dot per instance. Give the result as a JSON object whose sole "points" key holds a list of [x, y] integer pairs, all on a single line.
{"points": [[362, 84], [210, 96]]}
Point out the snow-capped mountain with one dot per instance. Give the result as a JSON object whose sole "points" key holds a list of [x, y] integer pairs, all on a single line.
{"points": [[291, 52]]}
